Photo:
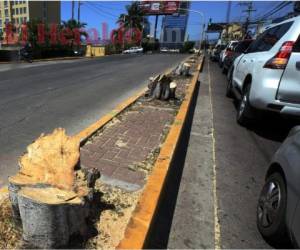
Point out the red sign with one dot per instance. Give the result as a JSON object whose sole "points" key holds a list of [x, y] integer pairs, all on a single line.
{"points": [[159, 7]]}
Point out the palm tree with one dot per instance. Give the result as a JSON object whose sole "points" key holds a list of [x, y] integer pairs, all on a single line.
{"points": [[134, 19], [72, 25]]}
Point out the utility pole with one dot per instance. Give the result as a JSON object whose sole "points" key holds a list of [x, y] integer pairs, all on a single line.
{"points": [[78, 13], [72, 9], [155, 27], [249, 10], [228, 19]]}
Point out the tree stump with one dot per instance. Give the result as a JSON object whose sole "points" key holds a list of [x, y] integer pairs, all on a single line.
{"points": [[50, 195], [161, 87], [183, 69]]}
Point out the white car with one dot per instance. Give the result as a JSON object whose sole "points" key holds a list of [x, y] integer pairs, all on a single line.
{"points": [[266, 77], [230, 46], [133, 50], [164, 49]]}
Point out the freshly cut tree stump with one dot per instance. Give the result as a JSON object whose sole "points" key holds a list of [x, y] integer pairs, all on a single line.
{"points": [[160, 87], [49, 196]]}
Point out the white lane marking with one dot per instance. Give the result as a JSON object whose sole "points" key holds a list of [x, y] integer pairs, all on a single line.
{"points": [[216, 218]]}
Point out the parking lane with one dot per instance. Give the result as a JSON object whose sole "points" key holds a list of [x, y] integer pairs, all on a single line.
{"points": [[242, 158]]}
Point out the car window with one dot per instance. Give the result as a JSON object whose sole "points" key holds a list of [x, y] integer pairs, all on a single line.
{"points": [[296, 47], [269, 38], [233, 45], [242, 46]]}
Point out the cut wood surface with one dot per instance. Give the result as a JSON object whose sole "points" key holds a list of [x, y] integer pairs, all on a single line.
{"points": [[51, 198], [51, 159]]}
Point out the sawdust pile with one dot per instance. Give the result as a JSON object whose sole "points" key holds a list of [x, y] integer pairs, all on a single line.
{"points": [[115, 215], [10, 234]]}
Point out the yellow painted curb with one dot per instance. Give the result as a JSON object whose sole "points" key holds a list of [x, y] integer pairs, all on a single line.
{"points": [[140, 222]]}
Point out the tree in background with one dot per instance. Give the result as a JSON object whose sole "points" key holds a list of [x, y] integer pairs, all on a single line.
{"points": [[132, 23], [188, 46], [72, 29]]}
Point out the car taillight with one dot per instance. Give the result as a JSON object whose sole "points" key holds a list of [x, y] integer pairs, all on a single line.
{"points": [[280, 60], [228, 52]]}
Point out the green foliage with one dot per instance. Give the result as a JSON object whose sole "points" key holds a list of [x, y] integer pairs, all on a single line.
{"points": [[133, 19], [47, 49], [187, 46], [150, 44], [113, 49]]}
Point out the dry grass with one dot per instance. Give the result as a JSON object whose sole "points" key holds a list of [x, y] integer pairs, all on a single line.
{"points": [[10, 234]]}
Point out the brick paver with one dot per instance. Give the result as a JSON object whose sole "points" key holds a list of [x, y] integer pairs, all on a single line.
{"points": [[124, 144]]}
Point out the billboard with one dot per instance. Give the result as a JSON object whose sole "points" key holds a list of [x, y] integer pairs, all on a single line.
{"points": [[159, 7]]}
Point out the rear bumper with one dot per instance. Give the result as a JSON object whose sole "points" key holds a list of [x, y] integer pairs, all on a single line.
{"points": [[264, 91]]}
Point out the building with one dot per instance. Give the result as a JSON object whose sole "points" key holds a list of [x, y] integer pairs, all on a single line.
{"points": [[232, 31], [173, 30], [18, 12]]}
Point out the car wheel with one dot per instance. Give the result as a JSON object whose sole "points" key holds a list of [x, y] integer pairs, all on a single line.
{"points": [[245, 111], [271, 210]]}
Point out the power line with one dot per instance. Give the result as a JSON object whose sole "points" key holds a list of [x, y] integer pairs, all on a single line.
{"points": [[96, 11], [109, 8], [102, 11], [275, 10]]}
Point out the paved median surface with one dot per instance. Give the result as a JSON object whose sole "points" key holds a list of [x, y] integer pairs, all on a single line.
{"points": [[36, 98], [116, 151]]}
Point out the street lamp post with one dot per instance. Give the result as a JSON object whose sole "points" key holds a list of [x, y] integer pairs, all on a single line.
{"points": [[203, 21]]}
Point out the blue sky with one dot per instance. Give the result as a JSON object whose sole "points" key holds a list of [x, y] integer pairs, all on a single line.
{"points": [[96, 12]]}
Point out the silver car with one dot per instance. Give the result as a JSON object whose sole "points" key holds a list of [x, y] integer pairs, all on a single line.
{"points": [[278, 210], [266, 76]]}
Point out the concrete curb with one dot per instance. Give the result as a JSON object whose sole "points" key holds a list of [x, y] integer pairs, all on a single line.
{"points": [[140, 222]]}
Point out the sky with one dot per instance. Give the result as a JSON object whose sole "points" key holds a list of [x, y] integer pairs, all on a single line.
{"points": [[94, 13]]}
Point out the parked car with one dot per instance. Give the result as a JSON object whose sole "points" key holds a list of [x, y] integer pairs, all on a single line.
{"points": [[266, 76], [215, 53], [223, 54], [164, 49], [233, 53], [278, 209], [133, 50]]}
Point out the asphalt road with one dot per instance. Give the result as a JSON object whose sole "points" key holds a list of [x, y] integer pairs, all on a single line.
{"points": [[242, 158], [36, 98]]}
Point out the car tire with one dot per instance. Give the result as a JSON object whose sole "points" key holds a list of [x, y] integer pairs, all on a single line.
{"points": [[271, 211], [245, 113]]}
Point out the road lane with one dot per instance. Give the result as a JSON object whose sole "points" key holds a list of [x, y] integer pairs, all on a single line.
{"points": [[38, 97]]}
